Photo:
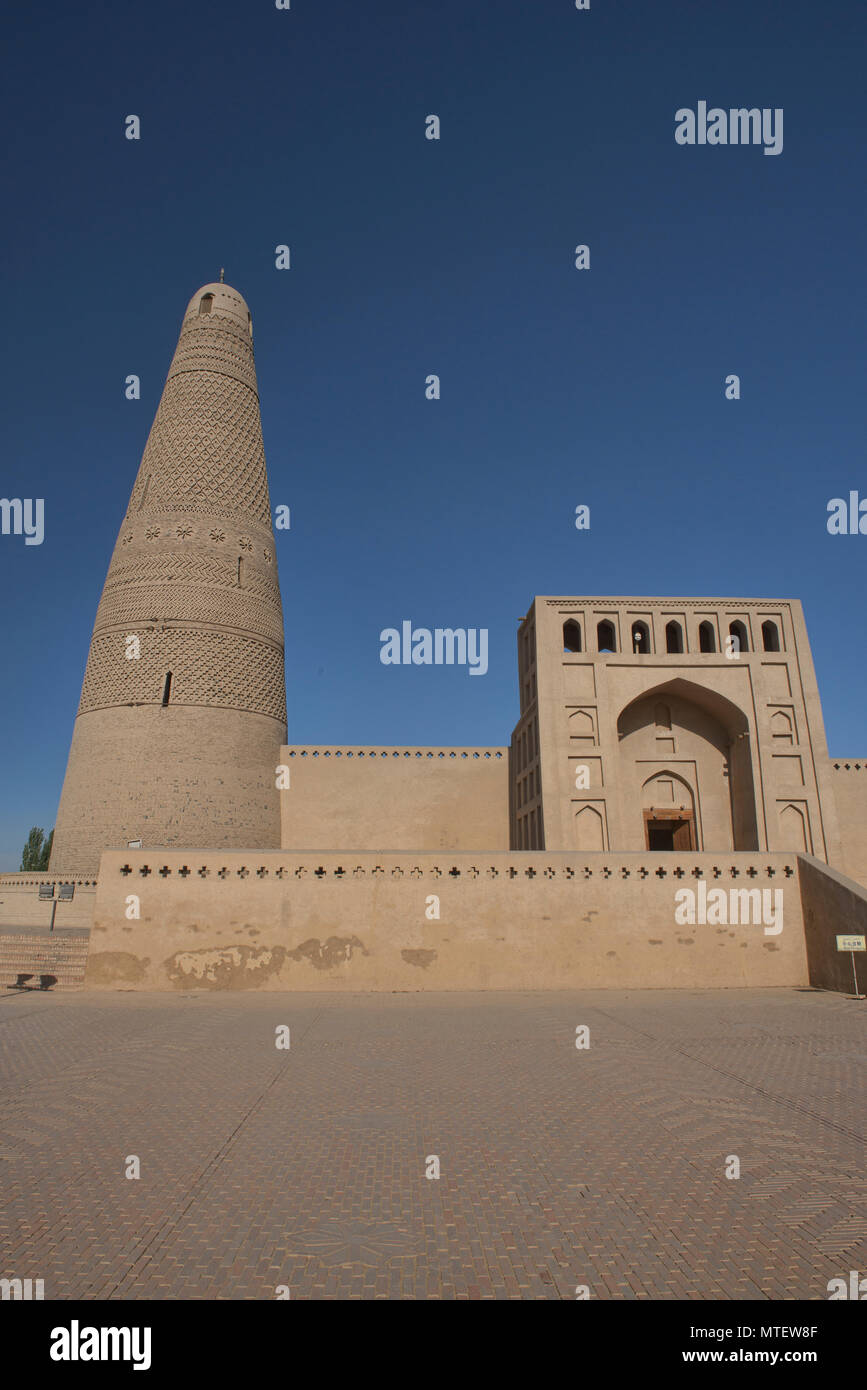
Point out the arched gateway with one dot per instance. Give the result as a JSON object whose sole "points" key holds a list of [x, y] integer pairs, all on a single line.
{"points": [[694, 726], [686, 777]]}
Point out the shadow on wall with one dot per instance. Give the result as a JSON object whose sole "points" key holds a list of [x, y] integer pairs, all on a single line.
{"points": [[833, 905]]}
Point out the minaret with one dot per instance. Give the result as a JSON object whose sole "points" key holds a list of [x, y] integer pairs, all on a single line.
{"points": [[183, 707]]}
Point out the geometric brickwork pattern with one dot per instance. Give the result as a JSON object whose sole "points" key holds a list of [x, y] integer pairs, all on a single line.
{"points": [[559, 1167], [179, 569], [222, 669], [193, 577], [205, 451], [205, 443], [147, 605], [172, 569], [216, 343]]}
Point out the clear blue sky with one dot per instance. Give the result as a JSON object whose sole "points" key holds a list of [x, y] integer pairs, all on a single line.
{"points": [[409, 257]]}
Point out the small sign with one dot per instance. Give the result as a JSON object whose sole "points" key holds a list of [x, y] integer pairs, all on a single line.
{"points": [[851, 943], [46, 890], [66, 891], [133, 844]]}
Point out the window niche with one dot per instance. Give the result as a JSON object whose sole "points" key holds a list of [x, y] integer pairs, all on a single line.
{"points": [[606, 638], [738, 631], [770, 636], [571, 636]]}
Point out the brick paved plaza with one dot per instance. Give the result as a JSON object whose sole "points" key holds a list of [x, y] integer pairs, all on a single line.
{"points": [[263, 1167]]}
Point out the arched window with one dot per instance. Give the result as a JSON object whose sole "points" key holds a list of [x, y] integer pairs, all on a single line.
{"points": [[167, 688], [581, 726], [794, 828], [641, 638], [673, 637], [206, 303], [706, 637], [739, 633], [781, 727], [770, 636], [606, 640], [571, 636]]}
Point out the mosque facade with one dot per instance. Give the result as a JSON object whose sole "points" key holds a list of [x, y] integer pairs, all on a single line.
{"points": [[660, 743]]}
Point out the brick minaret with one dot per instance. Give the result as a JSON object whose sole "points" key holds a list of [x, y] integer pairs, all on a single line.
{"points": [[178, 745]]}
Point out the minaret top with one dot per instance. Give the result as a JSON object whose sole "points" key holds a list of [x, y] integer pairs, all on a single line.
{"points": [[217, 298]]}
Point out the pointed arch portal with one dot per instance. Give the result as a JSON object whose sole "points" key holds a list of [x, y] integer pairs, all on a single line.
{"points": [[698, 791]]}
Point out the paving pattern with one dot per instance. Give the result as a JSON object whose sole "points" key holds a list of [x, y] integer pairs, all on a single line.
{"points": [[305, 1169]]}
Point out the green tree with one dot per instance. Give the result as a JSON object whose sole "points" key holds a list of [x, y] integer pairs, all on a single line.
{"points": [[37, 851], [46, 852]]}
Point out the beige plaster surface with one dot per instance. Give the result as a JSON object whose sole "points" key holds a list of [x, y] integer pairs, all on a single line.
{"points": [[358, 921], [395, 798]]}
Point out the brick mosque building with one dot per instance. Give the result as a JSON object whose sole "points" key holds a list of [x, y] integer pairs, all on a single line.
{"points": [[662, 745]]}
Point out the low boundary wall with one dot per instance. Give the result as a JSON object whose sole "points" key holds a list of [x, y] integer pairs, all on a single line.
{"points": [[833, 905], [21, 906], [512, 920]]}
